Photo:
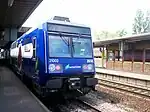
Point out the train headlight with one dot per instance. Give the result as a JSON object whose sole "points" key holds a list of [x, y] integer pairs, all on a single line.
{"points": [[58, 67], [88, 68], [55, 68]]}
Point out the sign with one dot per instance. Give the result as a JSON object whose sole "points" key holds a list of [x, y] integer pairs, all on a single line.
{"points": [[71, 67], [54, 60], [90, 61]]}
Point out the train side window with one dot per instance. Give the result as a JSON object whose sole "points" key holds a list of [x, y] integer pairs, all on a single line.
{"points": [[34, 43], [27, 40], [17, 44], [14, 45], [34, 47]]}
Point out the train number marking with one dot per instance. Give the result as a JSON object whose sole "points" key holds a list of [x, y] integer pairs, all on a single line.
{"points": [[54, 60], [90, 61]]}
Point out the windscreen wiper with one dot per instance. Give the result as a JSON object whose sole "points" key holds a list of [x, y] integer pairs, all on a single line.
{"points": [[65, 40]]}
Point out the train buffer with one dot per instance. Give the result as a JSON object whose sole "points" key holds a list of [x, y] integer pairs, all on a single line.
{"points": [[15, 97]]}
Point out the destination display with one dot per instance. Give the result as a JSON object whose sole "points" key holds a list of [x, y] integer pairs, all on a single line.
{"points": [[68, 29]]}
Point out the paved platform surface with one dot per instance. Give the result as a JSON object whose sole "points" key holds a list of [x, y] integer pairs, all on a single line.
{"points": [[14, 96], [123, 73]]}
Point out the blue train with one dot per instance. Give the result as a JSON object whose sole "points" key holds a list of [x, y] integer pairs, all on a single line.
{"points": [[57, 56]]}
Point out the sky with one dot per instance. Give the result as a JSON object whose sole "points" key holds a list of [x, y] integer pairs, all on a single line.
{"points": [[110, 15]]}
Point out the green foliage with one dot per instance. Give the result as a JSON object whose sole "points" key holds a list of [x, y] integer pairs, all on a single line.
{"points": [[105, 35], [141, 22], [108, 35], [121, 33]]}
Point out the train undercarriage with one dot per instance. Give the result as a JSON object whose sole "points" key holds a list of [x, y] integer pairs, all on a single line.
{"points": [[68, 87]]}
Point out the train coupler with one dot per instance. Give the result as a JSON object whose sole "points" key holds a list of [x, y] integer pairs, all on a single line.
{"points": [[74, 83]]}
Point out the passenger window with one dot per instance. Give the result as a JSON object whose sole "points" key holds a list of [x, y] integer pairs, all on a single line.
{"points": [[34, 47], [17, 44]]}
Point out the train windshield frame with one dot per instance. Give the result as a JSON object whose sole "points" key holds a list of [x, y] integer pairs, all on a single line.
{"points": [[59, 46], [66, 46], [82, 47]]}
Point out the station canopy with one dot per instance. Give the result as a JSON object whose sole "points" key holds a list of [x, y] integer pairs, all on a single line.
{"points": [[13, 13], [132, 38]]}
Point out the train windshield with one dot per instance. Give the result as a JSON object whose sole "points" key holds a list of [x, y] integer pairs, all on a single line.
{"points": [[82, 47], [59, 46]]}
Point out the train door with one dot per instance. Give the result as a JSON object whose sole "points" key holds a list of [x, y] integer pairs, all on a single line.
{"points": [[19, 59]]}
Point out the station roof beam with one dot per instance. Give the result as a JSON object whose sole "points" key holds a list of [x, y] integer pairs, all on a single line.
{"points": [[13, 13]]}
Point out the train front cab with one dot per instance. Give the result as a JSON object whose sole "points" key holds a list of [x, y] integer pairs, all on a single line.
{"points": [[70, 63]]}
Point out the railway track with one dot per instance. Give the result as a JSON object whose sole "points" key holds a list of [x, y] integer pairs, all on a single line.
{"points": [[89, 105], [75, 105], [125, 87]]}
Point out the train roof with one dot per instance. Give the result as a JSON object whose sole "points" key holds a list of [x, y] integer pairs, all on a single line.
{"points": [[58, 22], [67, 23]]}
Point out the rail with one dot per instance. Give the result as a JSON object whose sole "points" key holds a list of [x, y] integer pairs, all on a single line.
{"points": [[89, 105], [123, 82], [125, 87]]}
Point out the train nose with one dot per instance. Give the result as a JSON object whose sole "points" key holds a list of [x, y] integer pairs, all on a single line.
{"points": [[91, 81], [74, 83]]}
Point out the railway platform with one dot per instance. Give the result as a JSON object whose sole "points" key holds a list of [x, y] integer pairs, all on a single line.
{"points": [[138, 82], [14, 96], [123, 74]]}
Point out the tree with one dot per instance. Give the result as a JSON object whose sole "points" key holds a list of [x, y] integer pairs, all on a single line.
{"points": [[102, 35], [121, 33], [141, 22], [146, 24], [105, 35], [108, 35]]}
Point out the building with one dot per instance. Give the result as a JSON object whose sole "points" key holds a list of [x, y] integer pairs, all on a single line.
{"points": [[130, 53]]}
